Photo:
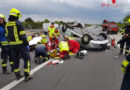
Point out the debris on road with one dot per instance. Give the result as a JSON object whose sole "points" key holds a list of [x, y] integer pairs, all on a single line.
{"points": [[55, 62]]}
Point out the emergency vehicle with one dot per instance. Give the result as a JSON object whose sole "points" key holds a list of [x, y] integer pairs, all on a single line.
{"points": [[110, 27]]}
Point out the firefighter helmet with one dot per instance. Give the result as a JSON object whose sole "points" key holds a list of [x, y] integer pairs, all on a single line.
{"points": [[2, 16], [128, 20], [15, 12]]}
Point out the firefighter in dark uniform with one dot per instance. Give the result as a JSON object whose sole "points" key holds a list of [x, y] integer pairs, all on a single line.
{"points": [[127, 35], [18, 42], [125, 67], [122, 41], [4, 47]]}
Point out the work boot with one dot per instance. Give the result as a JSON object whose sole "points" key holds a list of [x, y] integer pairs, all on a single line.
{"points": [[5, 72], [27, 78], [18, 75]]}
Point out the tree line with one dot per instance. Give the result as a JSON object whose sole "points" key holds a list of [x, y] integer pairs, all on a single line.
{"points": [[29, 23]]}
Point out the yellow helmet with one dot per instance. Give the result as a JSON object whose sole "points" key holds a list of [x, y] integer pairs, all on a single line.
{"points": [[15, 12], [43, 35], [2, 16], [128, 20]]}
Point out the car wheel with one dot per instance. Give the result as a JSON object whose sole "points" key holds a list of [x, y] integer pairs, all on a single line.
{"points": [[64, 28], [86, 39], [104, 35]]}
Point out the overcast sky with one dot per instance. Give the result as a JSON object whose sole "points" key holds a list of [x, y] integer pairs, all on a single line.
{"points": [[88, 11]]}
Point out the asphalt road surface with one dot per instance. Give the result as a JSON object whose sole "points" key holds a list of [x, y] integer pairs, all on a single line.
{"points": [[99, 70]]}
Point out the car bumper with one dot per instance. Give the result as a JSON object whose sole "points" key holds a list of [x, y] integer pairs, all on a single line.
{"points": [[96, 44]]}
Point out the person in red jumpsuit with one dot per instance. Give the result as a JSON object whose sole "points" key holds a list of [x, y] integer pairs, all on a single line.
{"points": [[57, 36], [51, 45], [74, 46]]}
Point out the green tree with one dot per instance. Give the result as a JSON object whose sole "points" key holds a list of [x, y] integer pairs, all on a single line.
{"points": [[28, 20], [46, 21]]}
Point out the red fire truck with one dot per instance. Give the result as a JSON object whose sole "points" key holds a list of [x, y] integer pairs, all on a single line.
{"points": [[110, 27]]}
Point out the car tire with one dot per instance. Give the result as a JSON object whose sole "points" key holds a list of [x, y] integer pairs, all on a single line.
{"points": [[79, 25], [104, 35], [86, 39], [64, 28]]}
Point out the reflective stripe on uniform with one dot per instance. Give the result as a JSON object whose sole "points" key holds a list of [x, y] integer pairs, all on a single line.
{"points": [[122, 31], [15, 43], [4, 65], [124, 66], [28, 67], [16, 70], [127, 51], [11, 63], [10, 23], [4, 43], [22, 32], [16, 33]]}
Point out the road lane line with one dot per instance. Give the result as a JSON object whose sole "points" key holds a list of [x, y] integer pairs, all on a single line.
{"points": [[16, 82]]}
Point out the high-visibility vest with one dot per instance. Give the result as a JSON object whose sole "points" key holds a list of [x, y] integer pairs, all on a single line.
{"points": [[51, 33], [44, 40], [63, 46], [51, 29]]}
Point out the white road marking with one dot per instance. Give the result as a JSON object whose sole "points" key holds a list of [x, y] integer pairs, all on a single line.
{"points": [[16, 82]]}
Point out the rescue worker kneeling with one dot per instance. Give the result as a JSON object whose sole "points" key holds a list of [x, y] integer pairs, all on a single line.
{"points": [[74, 46], [40, 53], [125, 67], [64, 50]]}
